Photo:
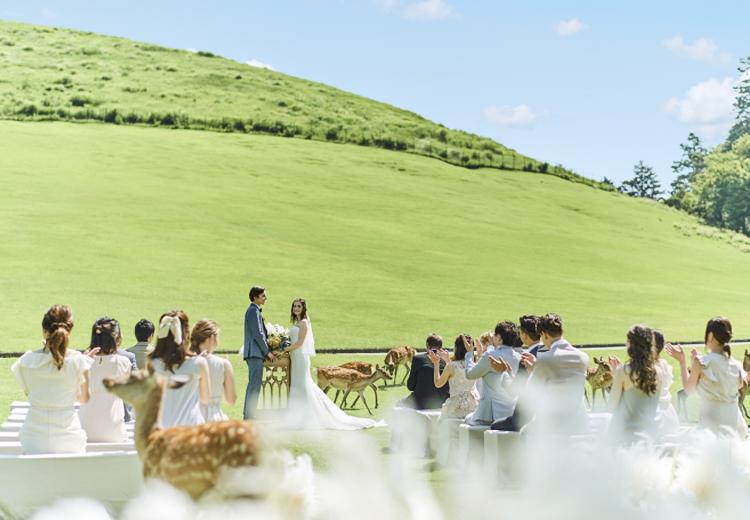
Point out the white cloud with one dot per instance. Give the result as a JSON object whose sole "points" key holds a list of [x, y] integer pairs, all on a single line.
{"points": [[427, 10], [421, 10], [259, 64], [702, 49], [570, 27], [46, 12], [706, 107], [517, 116]]}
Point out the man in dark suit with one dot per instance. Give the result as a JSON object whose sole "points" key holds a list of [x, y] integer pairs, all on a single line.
{"points": [[421, 382], [255, 349]]}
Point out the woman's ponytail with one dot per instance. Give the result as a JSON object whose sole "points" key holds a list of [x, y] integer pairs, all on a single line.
{"points": [[57, 323]]}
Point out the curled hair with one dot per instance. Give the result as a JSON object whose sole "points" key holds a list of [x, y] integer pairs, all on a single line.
{"points": [[57, 323], [167, 349], [658, 341], [529, 325], [202, 331], [508, 333], [104, 334], [459, 349], [642, 358], [552, 324], [303, 314], [721, 328]]}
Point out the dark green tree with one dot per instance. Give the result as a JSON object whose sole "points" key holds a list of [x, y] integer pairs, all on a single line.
{"points": [[686, 169], [644, 183], [742, 102]]}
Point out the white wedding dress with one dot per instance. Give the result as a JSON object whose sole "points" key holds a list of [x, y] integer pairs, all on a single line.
{"points": [[309, 408]]}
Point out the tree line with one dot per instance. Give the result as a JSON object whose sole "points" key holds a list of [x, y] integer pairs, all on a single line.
{"points": [[711, 184]]}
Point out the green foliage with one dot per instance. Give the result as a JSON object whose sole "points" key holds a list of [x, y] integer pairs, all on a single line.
{"points": [[686, 170], [742, 102], [132, 221], [644, 183], [208, 95]]}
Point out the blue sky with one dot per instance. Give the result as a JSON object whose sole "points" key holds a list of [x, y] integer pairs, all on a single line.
{"points": [[593, 85]]}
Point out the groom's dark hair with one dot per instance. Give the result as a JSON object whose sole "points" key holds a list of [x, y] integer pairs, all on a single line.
{"points": [[508, 333], [256, 291], [434, 341], [552, 324]]}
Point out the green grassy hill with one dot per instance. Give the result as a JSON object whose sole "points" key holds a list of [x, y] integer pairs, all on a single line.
{"points": [[60, 74], [386, 246]]}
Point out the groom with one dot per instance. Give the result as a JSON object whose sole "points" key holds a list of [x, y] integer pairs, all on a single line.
{"points": [[255, 349]]}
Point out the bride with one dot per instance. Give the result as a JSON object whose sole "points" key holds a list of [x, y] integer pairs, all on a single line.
{"points": [[309, 407]]}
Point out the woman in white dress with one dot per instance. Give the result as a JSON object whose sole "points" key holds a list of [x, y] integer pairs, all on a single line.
{"points": [[203, 341], [666, 416], [309, 407], [54, 378], [180, 406], [103, 416], [464, 396], [717, 377], [634, 398]]}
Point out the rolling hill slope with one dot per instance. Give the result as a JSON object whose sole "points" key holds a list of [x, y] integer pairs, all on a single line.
{"points": [[386, 246], [60, 74]]}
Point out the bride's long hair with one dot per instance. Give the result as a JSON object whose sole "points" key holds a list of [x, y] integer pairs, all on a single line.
{"points": [[303, 314]]}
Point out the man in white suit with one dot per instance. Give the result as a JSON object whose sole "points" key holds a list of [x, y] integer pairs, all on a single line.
{"points": [[496, 368]]}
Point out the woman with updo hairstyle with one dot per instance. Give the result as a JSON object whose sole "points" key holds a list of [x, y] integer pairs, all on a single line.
{"points": [[54, 378], [203, 341], [103, 416], [634, 397], [717, 377], [171, 357]]}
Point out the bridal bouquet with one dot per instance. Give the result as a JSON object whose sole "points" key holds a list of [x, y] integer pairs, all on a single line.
{"points": [[278, 337]]}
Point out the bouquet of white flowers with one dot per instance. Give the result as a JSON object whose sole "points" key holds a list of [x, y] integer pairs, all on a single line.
{"points": [[278, 337]]}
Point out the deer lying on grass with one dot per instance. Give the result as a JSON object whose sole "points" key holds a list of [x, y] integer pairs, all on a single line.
{"points": [[189, 458], [398, 356], [600, 378], [347, 380]]}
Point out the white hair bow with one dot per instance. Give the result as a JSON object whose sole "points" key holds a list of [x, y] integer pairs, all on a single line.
{"points": [[173, 324]]}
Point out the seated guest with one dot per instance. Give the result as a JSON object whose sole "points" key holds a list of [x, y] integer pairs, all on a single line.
{"points": [[554, 391], [144, 334], [463, 393], [203, 341], [54, 378], [180, 406], [424, 394], [528, 331], [103, 416], [635, 394], [666, 415], [717, 377], [497, 399]]}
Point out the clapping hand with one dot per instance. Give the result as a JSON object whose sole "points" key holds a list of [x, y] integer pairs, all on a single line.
{"points": [[528, 359], [676, 352], [445, 355], [92, 352], [433, 356], [613, 362], [499, 365], [468, 345]]}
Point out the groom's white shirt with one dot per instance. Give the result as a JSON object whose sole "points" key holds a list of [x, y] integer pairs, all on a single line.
{"points": [[497, 399]]}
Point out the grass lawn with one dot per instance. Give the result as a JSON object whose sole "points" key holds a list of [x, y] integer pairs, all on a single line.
{"points": [[386, 247]]}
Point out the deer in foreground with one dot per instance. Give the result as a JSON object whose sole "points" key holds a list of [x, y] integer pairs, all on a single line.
{"points": [[398, 356], [189, 458], [347, 380], [600, 378]]}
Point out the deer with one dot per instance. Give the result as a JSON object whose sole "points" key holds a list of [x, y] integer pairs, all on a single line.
{"points": [[190, 458], [398, 356], [362, 367], [600, 378], [347, 380]]}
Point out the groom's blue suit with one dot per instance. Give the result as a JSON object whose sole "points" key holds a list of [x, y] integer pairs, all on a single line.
{"points": [[254, 351]]}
